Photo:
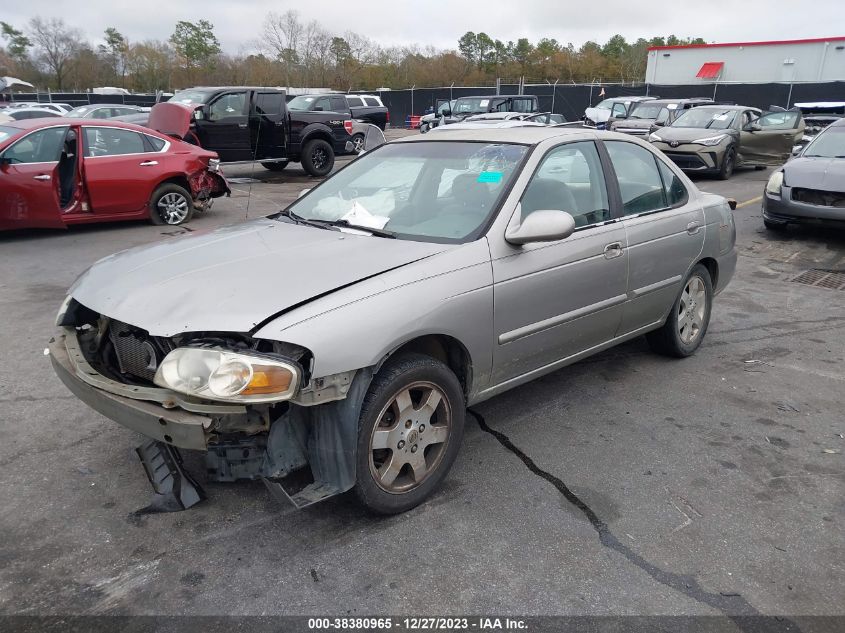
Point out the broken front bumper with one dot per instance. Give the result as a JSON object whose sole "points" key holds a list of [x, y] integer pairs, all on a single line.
{"points": [[173, 426]]}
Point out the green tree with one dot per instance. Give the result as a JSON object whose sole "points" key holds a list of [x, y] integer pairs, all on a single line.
{"points": [[468, 47], [17, 44], [113, 52], [522, 51], [195, 44]]}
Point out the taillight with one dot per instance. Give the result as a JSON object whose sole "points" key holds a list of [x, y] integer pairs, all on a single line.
{"points": [[388, 116], [347, 125]]}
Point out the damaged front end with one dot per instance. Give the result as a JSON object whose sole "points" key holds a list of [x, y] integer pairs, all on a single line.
{"points": [[302, 445]]}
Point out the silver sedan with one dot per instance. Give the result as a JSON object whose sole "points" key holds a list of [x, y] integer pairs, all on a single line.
{"points": [[336, 344]]}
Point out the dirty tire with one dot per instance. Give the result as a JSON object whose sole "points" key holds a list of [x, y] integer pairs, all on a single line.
{"points": [[390, 480], [274, 166], [358, 143], [673, 339], [726, 170], [171, 204], [317, 158]]}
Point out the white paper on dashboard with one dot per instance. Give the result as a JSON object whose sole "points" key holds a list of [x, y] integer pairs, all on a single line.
{"points": [[360, 216]]}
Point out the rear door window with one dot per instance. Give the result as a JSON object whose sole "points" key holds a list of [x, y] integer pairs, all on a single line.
{"points": [[339, 104], [354, 102], [371, 101], [269, 102], [105, 141], [639, 179]]}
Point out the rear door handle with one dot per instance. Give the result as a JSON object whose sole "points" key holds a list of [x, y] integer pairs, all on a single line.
{"points": [[242, 125], [41, 177], [148, 163], [612, 250], [692, 227]]}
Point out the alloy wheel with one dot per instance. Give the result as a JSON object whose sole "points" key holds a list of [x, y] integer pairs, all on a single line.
{"points": [[318, 158], [410, 439], [173, 208], [691, 309]]}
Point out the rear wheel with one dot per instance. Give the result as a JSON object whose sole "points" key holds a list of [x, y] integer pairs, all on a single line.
{"points": [[728, 164], [358, 143], [171, 204], [409, 433], [275, 166], [687, 323], [317, 157]]}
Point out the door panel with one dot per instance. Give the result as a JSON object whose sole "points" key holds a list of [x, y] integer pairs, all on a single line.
{"points": [[119, 173], [29, 195], [267, 125], [772, 143], [227, 129], [664, 231], [553, 300]]}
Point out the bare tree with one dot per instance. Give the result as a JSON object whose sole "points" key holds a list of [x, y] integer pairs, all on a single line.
{"points": [[282, 36], [56, 45]]}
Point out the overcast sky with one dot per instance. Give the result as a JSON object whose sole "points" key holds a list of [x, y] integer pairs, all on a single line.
{"points": [[440, 23]]}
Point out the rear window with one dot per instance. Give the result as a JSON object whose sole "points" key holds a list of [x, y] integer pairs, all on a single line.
{"points": [[370, 101], [157, 143]]}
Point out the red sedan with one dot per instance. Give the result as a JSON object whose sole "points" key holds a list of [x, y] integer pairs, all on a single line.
{"points": [[57, 172]]}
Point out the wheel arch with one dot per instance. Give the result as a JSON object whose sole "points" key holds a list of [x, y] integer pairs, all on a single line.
{"points": [[318, 133], [447, 349], [712, 267]]}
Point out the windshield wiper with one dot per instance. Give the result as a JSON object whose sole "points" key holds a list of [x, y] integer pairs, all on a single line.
{"points": [[358, 227], [298, 219]]}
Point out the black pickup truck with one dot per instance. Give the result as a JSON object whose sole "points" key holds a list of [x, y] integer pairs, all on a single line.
{"points": [[367, 108], [247, 123]]}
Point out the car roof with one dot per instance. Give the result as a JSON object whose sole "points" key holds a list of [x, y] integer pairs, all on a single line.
{"points": [[31, 124], [524, 134], [726, 107]]}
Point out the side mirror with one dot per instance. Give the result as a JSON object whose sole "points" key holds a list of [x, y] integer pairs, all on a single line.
{"points": [[541, 226], [446, 112], [200, 114], [302, 193], [659, 123], [373, 137], [317, 109], [753, 127], [796, 151]]}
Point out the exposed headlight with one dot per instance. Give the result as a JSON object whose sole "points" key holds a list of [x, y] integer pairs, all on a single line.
{"points": [[775, 183], [218, 374], [710, 140], [60, 315], [654, 138]]}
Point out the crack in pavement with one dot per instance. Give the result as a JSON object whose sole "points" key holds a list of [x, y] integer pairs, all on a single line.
{"points": [[733, 605]]}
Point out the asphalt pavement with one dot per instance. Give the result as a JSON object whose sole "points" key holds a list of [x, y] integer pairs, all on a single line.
{"points": [[625, 484]]}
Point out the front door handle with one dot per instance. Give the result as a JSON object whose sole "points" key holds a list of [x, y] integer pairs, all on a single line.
{"points": [[148, 163], [612, 250], [242, 125], [692, 227], [41, 177]]}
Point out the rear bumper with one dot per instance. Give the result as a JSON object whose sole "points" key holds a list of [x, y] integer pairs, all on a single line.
{"points": [[172, 426], [784, 210]]}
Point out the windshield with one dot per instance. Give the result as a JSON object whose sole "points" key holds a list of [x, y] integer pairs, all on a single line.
{"points": [[607, 104], [191, 96], [300, 103], [646, 111], [828, 144], [472, 105], [709, 118], [425, 191], [79, 112], [6, 132]]}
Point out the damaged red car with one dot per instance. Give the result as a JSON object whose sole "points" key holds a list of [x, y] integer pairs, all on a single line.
{"points": [[54, 173]]}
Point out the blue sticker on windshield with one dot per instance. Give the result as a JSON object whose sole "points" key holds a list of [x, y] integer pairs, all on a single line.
{"points": [[490, 176]]}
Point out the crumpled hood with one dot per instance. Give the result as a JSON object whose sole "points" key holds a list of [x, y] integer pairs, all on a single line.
{"points": [[827, 174], [235, 277], [688, 134]]}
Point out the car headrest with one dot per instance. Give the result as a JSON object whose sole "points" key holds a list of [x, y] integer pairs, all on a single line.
{"points": [[547, 193], [467, 190]]}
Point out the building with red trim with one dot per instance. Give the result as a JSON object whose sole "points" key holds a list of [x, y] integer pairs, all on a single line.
{"points": [[819, 59]]}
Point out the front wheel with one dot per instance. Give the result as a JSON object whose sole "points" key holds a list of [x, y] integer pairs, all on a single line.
{"points": [[317, 158], [171, 204], [728, 164], [687, 323], [409, 433]]}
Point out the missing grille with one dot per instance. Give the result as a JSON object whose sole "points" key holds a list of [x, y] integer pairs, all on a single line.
{"points": [[822, 278]]}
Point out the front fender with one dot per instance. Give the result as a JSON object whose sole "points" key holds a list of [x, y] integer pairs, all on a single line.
{"points": [[360, 325]]}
